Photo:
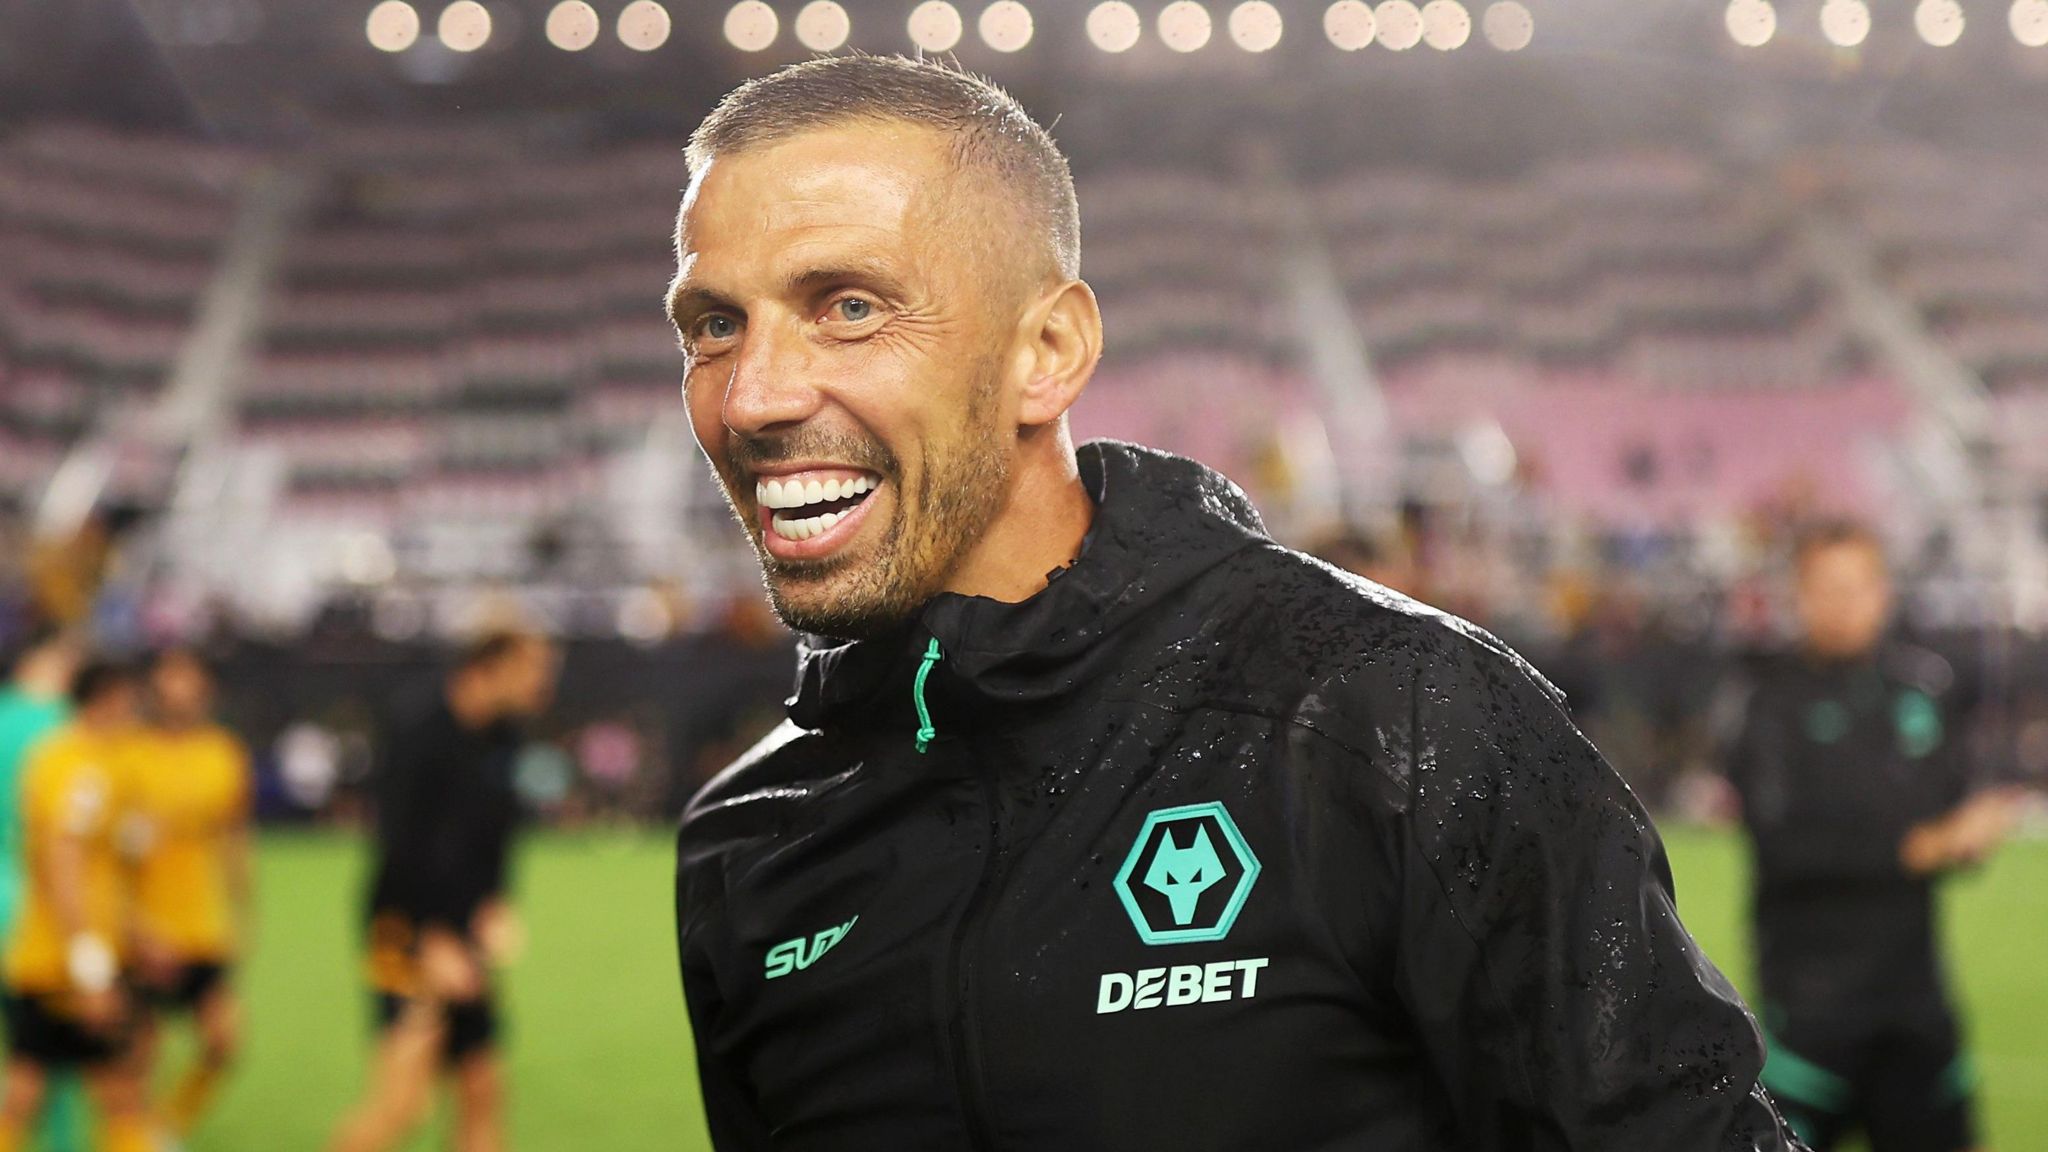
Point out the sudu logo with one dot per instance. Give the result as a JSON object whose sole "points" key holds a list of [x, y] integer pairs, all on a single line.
{"points": [[1187, 876], [800, 953]]}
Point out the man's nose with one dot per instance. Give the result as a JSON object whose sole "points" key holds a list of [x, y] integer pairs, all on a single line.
{"points": [[773, 381]]}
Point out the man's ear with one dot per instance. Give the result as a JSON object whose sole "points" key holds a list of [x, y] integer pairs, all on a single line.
{"points": [[1063, 336]]}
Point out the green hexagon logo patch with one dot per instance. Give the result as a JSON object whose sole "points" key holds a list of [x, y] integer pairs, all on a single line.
{"points": [[1187, 876]]}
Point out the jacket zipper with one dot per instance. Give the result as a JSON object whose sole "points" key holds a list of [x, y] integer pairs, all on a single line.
{"points": [[964, 1035]]}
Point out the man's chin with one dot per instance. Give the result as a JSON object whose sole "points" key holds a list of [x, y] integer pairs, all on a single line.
{"points": [[821, 603], [835, 623]]}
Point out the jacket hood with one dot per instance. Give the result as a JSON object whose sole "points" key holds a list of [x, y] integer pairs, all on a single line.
{"points": [[1160, 521]]}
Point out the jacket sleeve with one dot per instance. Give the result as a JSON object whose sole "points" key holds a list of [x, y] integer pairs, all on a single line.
{"points": [[1555, 992], [730, 1113], [1794, 823]]}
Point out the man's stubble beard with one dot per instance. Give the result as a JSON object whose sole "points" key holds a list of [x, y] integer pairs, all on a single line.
{"points": [[959, 493]]}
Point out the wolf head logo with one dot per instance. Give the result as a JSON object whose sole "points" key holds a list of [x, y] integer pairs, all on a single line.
{"points": [[1183, 874], [1178, 856]]}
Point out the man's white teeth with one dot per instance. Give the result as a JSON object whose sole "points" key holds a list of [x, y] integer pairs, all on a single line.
{"points": [[809, 526], [777, 494]]}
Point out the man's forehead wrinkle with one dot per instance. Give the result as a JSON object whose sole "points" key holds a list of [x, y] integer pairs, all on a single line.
{"points": [[815, 233], [857, 191]]}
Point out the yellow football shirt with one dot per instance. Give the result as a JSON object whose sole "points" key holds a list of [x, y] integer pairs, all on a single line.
{"points": [[72, 786], [189, 801]]}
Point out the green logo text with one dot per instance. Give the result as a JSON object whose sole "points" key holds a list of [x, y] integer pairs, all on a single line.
{"points": [[802, 952]]}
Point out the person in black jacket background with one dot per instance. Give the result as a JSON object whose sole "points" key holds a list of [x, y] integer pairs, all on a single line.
{"points": [[1858, 793], [437, 910], [1100, 821]]}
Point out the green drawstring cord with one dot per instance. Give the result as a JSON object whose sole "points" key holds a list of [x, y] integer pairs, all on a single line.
{"points": [[925, 732]]}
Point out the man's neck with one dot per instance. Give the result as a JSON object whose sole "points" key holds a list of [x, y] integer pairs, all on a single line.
{"points": [[1039, 530], [1836, 657]]}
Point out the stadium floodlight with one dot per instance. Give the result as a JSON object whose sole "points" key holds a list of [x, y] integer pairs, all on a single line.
{"points": [[1446, 24], [1005, 26], [823, 26], [1846, 23], [1256, 26], [751, 25], [644, 25], [393, 26], [1939, 22], [1508, 25], [2029, 20], [1349, 24], [465, 26], [1400, 24], [935, 26], [1115, 26], [1751, 23], [1184, 26], [573, 25]]}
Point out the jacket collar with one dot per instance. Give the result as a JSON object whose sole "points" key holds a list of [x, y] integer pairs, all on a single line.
{"points": [[1161, 520]]}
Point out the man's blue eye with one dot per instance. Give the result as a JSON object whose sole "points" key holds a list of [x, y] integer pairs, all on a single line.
{"points": [[855, 309], [719, 327]]}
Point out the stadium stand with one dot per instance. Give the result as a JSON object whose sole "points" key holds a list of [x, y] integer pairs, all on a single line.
{"points": [[106, 243]]}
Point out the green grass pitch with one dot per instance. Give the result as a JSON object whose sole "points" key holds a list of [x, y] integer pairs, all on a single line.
{"points": [[600, 1054]]}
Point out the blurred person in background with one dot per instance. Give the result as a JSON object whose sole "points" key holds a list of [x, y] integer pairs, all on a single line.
{"points": [[1858, 797], [66, 569], [751, 653], [34, 703], [1062, 707], [64, 1003], [439, 919], [1353, 550], [189, 823]]}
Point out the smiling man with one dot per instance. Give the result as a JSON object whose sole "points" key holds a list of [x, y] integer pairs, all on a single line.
{"points": [[1100, 821]]}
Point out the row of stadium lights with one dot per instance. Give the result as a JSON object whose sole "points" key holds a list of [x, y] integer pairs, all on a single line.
{"points": [[1846, 23], [1005, 25]]}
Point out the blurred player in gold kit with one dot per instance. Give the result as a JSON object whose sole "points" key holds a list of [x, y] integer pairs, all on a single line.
{"points": [[34, 703], [64, 1004], [189, 831]]}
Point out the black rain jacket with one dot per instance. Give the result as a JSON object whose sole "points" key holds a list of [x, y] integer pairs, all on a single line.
{"points": [[1210, 848]]}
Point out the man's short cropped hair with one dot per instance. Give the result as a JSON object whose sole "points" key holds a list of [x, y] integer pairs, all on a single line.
{"points": [[992, 134], [1822, 535], [493, 646], [98, 678]]}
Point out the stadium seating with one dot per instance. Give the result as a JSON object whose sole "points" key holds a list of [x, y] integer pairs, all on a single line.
{"points": [[1644, 263], [106, 243], [1964, 238], [465, 327]]}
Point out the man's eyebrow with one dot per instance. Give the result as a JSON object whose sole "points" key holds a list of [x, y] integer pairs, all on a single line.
{"points": [[687, 300], [872, 273]]}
